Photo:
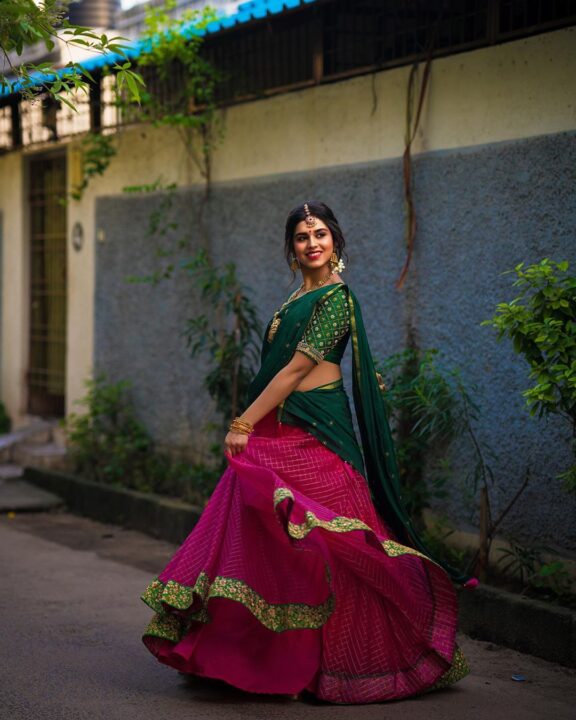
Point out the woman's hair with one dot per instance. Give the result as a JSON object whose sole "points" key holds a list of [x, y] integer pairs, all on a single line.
{"points": [[322, 212]]}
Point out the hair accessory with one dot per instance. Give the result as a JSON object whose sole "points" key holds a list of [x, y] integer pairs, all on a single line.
{"points": [[310, 219]]}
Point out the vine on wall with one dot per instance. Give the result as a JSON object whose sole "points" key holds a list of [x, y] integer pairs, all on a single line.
{"points": [[180, 92]]}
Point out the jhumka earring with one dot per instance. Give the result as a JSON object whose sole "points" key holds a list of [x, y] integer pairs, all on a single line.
{"points": [[294, 264], [336, 264]]}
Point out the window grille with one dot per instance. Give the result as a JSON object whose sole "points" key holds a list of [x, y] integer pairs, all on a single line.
{"points": [[6, 138], [316, 43]]}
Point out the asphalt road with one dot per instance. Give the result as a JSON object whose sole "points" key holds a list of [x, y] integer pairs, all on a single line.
{"points": [[70, 644]]}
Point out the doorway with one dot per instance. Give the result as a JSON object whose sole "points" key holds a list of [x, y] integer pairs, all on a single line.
{"points": [[48, 287]]}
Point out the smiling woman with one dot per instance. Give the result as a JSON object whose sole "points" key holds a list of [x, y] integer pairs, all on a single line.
{"points": [[367, 614]]}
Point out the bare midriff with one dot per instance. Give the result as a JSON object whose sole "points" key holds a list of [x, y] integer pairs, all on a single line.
{"points": [[324, 372]]}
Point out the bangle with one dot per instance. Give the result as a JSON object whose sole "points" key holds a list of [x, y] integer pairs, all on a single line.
{"points": [[241, 426]]}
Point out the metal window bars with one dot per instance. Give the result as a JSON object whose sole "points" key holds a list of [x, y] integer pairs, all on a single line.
{"points": [[320, 42]]}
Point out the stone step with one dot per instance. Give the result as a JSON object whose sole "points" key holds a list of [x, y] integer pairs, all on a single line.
{"points": [[20, 496], [9, 471], [38, 432], [49, 455]]}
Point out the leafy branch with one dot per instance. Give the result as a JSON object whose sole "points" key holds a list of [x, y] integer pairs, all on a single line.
{"points": [[97, 153], [230, 334], [24, 23], [541, 322]]}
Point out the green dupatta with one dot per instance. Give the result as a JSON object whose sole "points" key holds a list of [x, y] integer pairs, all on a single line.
{"points": [[325, 412]]}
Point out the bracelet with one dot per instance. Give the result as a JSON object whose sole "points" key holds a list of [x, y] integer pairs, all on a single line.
{"points": [[241, 426]]}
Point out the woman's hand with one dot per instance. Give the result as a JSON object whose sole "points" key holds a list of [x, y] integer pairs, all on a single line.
{"points": [[235, 442]]}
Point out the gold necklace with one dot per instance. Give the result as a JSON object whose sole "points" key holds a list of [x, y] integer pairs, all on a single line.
{"points": [[319, 283], [276, 319]]}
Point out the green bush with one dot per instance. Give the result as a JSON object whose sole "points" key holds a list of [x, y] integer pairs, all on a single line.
{"points": [[425, 414], [109, 444], [527, 564], [541, 322]]}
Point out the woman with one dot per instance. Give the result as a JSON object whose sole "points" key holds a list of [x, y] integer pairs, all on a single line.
{"points": [[304, 572]]}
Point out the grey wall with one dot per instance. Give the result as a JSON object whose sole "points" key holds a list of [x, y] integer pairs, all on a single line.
{"points": [[480, 211]]}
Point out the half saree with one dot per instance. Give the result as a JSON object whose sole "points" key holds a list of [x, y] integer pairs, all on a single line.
{"points": [[304, 571]]}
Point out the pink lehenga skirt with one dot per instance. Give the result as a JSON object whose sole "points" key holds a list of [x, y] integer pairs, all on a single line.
{"points": [[290, 581]]}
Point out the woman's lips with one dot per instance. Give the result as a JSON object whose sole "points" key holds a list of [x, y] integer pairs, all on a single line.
{"points": [[314, 255]]}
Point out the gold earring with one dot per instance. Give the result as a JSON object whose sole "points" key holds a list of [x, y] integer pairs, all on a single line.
{"points": [[294, 264], [335, 264]]}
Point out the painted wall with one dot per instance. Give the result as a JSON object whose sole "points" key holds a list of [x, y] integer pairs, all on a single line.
{"points": [[481, 211], [516, 90], [15, 306]]}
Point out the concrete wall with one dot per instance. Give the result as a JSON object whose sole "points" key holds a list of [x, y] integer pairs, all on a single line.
{"points": [[15, 305], [516, 90], [481, 211]]}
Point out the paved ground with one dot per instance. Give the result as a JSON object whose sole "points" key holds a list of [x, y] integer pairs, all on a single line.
{"points": [[70, 626]]}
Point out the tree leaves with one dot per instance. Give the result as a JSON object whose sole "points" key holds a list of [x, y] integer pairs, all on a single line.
{"points": [[24, 23], [541, 323]]}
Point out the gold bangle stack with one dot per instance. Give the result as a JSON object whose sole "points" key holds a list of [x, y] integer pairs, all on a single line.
{"points": [[241, 426]]}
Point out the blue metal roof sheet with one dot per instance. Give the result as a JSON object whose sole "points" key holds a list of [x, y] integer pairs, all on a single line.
{"points": [[245, 12]]}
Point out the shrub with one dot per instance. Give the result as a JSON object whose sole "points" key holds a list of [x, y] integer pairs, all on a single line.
{"points": [[109, 444], [541, 322]]}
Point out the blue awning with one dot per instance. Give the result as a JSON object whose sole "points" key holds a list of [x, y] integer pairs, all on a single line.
{"points": [[245, 12]]}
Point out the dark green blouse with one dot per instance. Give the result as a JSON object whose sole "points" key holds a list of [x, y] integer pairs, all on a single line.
{"points": [[328, 330]]}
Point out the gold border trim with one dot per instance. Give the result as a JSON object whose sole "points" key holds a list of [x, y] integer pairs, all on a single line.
{"points": [[340, 524], [274, 616]]}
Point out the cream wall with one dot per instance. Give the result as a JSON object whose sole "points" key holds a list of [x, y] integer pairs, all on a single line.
{"points": [[13, 344], [505, 92], [516, 90]]}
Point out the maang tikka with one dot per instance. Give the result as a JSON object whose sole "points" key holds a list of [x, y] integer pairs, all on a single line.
{"points": [[310, 220], [335, 263]]}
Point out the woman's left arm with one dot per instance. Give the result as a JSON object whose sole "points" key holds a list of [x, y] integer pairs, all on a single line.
{"points": [[282, 384]]}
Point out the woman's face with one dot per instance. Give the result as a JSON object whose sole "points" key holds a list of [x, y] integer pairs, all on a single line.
{"points": [[313, 246]]}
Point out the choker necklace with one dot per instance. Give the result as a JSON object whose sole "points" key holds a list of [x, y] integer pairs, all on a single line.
{"points": [[319, 283]]}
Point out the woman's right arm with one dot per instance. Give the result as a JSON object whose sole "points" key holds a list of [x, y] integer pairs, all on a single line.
{"points": [[282, 384]]}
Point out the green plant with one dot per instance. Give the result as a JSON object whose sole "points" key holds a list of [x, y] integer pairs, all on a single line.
{"points": [[424, 416], [161, 231], [230, 333], [173, 52], [26, 22], [527, 564], [97, 153], [541, 322], [5, 422], [430, 408], [171, 49], [107, 442], [435, 537]]}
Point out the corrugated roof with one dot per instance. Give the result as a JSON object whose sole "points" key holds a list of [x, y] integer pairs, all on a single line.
{"points": [[245, 13]]}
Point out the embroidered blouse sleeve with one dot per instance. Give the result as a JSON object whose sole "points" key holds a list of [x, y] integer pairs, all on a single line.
{"points": [[329, 323]]}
